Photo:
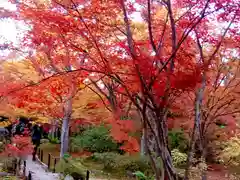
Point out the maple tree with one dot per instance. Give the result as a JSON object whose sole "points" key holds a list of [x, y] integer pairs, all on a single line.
{"points": [[219, 107], [220, 104], [78, 38], [206, 58], [21, 147], [14, 76], [49, 97]]}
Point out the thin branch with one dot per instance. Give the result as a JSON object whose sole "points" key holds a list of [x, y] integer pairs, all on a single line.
{"points": [[99, 97], [128, 31], [174, 33], [149, 20], [184, 36]]}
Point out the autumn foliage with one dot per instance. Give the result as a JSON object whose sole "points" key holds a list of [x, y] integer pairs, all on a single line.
{"points": [[177, 66], [21, 146]]}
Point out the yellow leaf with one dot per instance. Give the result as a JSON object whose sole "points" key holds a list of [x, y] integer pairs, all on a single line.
{"points": [[81, 86]]}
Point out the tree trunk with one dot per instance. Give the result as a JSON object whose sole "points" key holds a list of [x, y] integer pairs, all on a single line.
{"points": [[197, 123], [170, 172], [143, 143], [65, 128], [158, 146], [163, 160], [204, 170], [53, 129]]}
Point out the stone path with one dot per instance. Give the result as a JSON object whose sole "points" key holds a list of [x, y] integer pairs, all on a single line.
{"points": [[38, 171]]}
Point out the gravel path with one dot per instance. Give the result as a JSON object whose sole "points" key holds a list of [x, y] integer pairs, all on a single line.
{"points": [[38, 171]]}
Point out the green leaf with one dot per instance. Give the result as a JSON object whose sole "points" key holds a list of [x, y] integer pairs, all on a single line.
{"points": [[222, 126], [66, 155], [140, 175]]}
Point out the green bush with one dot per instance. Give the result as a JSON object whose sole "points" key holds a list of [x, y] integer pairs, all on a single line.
{"points": [[53, 140], [177, 140], [94, 139], [108, 159], [7, 164], [122, 163], [133, 163], [70, 167]]}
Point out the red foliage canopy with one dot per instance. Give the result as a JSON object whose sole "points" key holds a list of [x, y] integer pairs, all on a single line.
{"points": [[99, 38]]}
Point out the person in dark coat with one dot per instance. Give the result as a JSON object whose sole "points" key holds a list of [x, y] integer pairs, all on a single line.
{"points": [[36, 139], [21, 126]]}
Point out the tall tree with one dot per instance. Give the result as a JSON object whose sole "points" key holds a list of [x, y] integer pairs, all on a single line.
{"points": [[151, 71]]}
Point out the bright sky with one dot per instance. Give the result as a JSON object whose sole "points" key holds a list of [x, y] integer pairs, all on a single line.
{"points": [[8, 28], [11, 31], [6, 4]]}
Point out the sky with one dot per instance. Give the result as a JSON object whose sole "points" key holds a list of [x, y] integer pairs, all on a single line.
{"points": [[10, 31], [8, 28]]}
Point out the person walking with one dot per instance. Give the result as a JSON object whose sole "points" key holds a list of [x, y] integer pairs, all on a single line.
{"points": [[36, 139], [20, 126]]}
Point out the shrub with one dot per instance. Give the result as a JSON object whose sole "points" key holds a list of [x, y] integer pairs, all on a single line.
{"points": [[177, 140], [178, 157], [20, 147], [122, 163], [67, 166], [231, 151], [133, 163], [53, 140], [7, 164], [94, 139], [108, 159], [44, 141]]}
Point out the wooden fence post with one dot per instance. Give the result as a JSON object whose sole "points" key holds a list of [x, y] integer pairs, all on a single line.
{"points": [[54, 167], [87, 176], [24, 168], [39, 152], [41, 158], [29, 176], [49, 160], [15, 165], [18, 166]]}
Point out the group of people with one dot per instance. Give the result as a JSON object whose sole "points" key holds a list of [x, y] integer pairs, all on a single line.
{"points": [[20, 128]]}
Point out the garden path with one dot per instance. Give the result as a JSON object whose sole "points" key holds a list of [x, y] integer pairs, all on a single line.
{"points": [[39, 172]]}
